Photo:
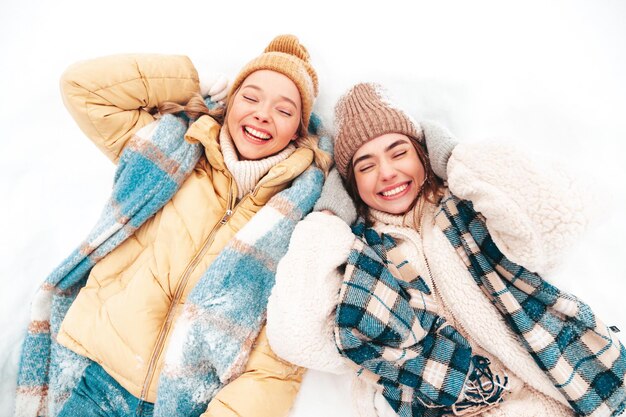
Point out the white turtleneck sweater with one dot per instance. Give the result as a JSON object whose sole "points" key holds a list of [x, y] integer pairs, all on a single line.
{"points": [[248, 173]]}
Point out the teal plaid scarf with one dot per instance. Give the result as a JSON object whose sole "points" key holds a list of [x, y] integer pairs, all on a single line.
{"points": [[582, 357], [387, 323]]}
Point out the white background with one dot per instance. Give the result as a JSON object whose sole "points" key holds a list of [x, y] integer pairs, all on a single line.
{"points": [[549, 77]]}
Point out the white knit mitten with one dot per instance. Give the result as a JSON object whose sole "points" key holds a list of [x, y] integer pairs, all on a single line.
{"points": [[335, 198], [212, 84], [439, 143]]}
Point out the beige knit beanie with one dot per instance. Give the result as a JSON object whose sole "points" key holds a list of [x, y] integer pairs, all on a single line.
{"points": [[363, 114], [287, 56]]}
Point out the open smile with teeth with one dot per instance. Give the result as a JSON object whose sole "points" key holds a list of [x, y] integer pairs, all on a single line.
{"points": [[254, 134], [395, 191]]}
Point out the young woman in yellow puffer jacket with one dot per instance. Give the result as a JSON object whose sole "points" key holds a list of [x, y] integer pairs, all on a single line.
{"points": [[123, 318]]}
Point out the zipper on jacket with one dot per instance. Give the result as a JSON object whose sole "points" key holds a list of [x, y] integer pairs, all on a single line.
{"points": [[182, 283], [455, 322], [445, 308]]}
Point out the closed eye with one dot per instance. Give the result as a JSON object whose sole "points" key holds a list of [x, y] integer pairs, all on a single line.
{"points": [[250, 98], [285, 112], [366, 167], [399, 154]]}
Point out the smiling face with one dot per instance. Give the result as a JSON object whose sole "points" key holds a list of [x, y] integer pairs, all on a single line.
{"points": [[388, 173], [264, 115]]}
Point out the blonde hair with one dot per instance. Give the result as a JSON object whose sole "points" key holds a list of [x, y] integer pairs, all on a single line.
{"points": [[323, 160], [196, 107]]}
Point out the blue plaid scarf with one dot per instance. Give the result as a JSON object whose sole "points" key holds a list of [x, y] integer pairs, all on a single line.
{"points": [[149, 173], [388, 324]]}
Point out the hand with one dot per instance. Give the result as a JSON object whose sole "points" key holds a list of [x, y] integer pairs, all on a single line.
{"points": [[439, 143], [212, 84], [335, 199]]}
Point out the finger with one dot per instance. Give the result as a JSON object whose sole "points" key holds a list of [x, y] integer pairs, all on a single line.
{"points": [[219, 96], [218, 86]]}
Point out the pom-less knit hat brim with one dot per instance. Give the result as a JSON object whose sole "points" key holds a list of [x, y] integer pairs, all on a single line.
{"points": [[286, 56], [365, 113]]}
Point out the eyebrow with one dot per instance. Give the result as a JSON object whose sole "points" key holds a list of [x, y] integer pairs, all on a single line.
{"points": [[281, 97], [387, 149]]}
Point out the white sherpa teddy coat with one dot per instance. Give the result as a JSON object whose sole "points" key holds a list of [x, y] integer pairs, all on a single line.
{"points": [[532, 215]]}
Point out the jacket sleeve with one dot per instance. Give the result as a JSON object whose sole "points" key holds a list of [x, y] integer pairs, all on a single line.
{"points": [[533, 212], [267, 388], [301, 308], [112, 97]]}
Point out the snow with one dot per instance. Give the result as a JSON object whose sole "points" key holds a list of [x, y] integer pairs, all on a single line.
{"points": [[549, 77]]}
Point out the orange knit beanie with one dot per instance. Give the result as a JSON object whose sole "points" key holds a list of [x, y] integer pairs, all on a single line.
{"points": [[287, 56]]}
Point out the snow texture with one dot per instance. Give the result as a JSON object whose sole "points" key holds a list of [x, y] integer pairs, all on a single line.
{"points": [[548, 77]]}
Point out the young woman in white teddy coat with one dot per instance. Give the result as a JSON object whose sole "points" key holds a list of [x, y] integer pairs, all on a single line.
{"points": [[404, 300]]}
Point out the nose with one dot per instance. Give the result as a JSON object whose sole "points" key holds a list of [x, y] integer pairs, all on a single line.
{"points": [[261, 113], [387, 171]]}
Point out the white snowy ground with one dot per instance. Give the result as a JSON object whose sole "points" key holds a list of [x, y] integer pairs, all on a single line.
{"points": [[549, 77]]}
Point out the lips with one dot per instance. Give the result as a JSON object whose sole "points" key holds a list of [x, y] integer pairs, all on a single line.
{"points": [[256, 135], [395, 191]]}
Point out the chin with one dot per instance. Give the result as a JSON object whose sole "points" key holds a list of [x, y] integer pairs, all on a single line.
{"points": [[247, 155], [396, 209]]}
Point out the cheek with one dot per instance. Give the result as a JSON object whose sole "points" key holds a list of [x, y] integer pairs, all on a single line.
{"points": [[289, 127], [414, 167], [231, 119], [421, 172], [364, 186]]}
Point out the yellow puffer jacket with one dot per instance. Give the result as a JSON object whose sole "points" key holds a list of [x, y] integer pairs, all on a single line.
{"points": [[123, 317]]}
